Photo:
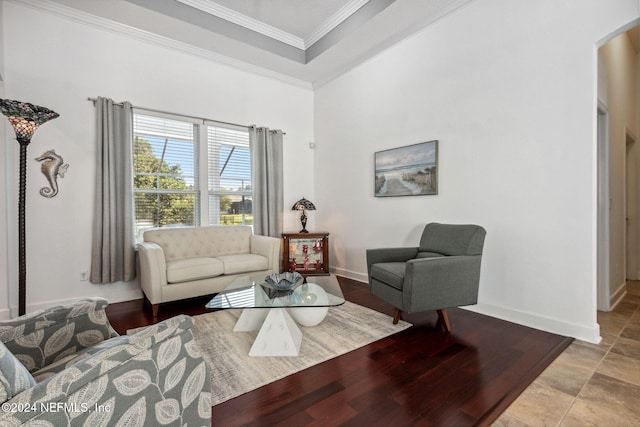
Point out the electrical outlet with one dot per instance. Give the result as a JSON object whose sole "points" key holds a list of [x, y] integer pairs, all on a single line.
{"points": [[84, 275]]}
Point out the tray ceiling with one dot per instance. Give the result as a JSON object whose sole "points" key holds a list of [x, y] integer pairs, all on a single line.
{"points": [[305, 42]]}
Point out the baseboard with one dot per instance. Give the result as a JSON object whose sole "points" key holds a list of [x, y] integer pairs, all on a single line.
{"points": [[12, 312], [359, 277], [617, 296], [535, 321], [531, 320]]}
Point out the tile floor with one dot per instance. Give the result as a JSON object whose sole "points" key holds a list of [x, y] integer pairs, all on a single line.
{"points": [[589, 384]]}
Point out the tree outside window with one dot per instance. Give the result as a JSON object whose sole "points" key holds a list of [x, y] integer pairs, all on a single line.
{"points": [[166, 183]]}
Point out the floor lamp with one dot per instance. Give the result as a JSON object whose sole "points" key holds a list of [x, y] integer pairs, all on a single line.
{"points": [[25, 119]]}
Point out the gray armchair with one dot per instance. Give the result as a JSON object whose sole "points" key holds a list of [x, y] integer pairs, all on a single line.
{"points": [[67, 366], [442, 272]]}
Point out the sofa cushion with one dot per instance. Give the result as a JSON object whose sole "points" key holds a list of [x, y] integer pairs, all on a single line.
{"points": [[185, 270], [14, 377], [243, 263], [199, 242]]}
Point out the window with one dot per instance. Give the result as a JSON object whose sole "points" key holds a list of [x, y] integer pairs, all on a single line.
{"points": [[179, 181], [229, 176]]}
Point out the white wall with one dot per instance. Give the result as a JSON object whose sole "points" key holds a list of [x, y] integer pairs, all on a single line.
{"points": [[509, 90], [58, 63], [4, 270], [1, 42], [618, 64]]}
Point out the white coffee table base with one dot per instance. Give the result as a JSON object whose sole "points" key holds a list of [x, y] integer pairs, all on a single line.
{"points": [[278, 334]]}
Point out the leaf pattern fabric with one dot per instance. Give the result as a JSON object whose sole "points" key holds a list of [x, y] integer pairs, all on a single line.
{"points": [[132, 382], [37, 339], [174, 375], [154, 377], [14, 377], [59, 340]]}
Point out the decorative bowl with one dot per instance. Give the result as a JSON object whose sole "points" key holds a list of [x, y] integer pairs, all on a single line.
{"points": [[284, 281]]}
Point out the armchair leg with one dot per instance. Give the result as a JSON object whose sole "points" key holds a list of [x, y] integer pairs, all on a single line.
{"points": [[443, 320], [396, 316]]}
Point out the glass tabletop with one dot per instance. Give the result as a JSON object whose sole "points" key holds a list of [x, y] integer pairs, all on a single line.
{"points": [[252, 292]]}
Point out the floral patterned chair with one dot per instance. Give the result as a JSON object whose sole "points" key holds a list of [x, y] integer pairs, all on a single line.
{"points": [[67, 366]]}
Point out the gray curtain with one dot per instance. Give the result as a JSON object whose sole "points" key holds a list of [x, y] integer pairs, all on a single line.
{"points": [[113, 250], [267, 169]]}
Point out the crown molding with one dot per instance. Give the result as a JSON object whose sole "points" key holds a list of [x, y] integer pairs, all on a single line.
{"points": [[336, 19], [245, 21], [213, 8], [94, 21]]}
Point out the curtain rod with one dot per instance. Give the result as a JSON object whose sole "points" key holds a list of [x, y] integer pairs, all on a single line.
{"points": [[181, 115]]}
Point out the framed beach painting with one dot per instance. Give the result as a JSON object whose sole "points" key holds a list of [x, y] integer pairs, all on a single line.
{"points": [[407, 171]]}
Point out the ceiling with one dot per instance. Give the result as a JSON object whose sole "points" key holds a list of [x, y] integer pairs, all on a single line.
{"points": [[298, 18], [305, 42]]}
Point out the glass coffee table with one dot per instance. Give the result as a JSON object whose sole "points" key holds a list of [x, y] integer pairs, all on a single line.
{"points": [[274, 313]]}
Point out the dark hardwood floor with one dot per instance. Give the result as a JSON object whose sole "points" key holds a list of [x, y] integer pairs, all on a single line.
{"points": [[418, 377]]}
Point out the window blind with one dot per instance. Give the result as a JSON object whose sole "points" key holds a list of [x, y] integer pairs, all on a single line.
{"points": [[229, 175], [166, 171]]}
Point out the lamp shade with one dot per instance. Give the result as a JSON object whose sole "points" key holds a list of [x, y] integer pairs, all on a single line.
{"points": [[24, 117], [303, 204]]}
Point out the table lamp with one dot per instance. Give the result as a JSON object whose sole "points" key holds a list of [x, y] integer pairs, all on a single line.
{"points": [[302, 205]]}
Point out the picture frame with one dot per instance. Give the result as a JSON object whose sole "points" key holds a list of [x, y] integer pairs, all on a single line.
{"points": [[411, 170]]}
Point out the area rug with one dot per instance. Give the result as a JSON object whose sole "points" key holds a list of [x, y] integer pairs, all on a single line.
{"points": [[233, 372]]}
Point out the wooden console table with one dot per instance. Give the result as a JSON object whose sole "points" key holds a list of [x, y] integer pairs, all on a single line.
{"points": [[306, 253]]}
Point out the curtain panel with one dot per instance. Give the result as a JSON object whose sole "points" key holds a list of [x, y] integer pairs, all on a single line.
{"points": [[267, 167], [113, 248]]}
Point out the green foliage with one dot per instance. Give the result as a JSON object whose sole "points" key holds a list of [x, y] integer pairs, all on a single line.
{"points": [[160, 209], [225, 203], [232, 219]]}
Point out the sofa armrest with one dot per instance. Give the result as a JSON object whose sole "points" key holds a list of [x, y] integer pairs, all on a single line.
{"points": [[443, 282], [153, 270], [39, 338], [377, 255], [155, 377], [268, 247]]}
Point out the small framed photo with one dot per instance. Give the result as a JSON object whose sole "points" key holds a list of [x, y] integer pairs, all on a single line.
{"points": [[411, 170]]}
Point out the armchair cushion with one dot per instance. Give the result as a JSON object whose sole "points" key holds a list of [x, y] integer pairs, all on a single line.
{"points": [[452, 239], [66, 362], [391, 273], [429, 255], [14, 377]]}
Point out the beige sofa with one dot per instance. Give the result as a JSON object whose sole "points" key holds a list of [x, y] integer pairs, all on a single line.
{"points": [[185, 262]]}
